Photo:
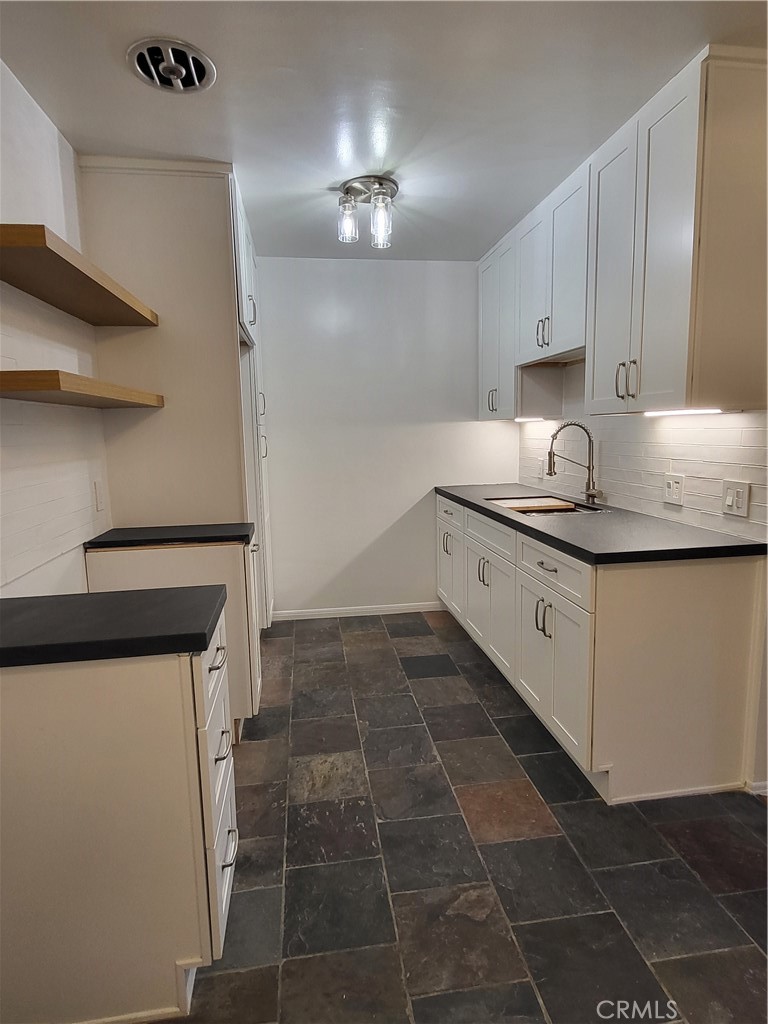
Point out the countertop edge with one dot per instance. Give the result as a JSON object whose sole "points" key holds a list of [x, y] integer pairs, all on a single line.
{"points": [[104, 542]]}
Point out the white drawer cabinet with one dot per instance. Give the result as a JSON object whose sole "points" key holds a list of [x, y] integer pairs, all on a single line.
{"points": [[119, 834], [562, 573], [450, 512]]}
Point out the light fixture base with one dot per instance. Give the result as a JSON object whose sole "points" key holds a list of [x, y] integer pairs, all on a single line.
{"points": [[362, 187]]}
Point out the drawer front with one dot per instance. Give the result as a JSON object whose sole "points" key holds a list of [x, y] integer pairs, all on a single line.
{"points": [[450, 512], [498, 538], [208, 671], [221, 868], [214, 750], [565, 575]]}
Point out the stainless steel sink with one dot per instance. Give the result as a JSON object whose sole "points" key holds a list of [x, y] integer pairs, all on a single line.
{"points": [[563, 511], [511, 502]]}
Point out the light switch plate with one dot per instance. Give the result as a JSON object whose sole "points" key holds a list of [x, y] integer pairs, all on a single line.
{"points": [[736, 498], [98, 492], [674, 485]]}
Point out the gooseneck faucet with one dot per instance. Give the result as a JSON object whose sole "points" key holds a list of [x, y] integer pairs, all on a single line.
{"points": [[590, 491]]}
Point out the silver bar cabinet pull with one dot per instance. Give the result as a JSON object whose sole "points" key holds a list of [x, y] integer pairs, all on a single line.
{"points": [[544, 622], [539, 603], [616, 380], [216, 665], [628, 378], [228, 751], [545, 567], [228, 863]]}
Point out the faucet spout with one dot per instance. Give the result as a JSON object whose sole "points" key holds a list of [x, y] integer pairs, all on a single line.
{"points": [[590, 491]]}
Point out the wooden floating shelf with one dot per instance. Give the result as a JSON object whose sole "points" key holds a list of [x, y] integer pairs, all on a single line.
{"points": [[35, 260], [57, 387]]}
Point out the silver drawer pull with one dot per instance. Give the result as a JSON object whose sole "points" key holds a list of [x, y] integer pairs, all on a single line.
{"points": [[447, 512], [546, 568], [216, 665], [228, 751], [233, 858]]}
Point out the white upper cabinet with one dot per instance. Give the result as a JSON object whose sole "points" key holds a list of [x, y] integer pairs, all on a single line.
{"points": [[565, 319], [497, 332], [690, 332], [532, 252], [246, 270]]}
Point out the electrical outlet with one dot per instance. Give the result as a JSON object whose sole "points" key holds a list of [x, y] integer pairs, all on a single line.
{"points": [[540, 472], [98, 493], [736, 498], [674, 485]]}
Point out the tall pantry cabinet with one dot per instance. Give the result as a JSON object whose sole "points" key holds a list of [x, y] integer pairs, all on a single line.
{"points": [[175, 232]]}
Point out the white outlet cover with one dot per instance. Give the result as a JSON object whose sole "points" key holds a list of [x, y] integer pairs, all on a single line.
{"points": [[674, 487], [736, 498]]}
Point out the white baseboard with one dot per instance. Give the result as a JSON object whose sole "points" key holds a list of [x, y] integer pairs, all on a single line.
{"points": [[378, 609], [758, 788]]}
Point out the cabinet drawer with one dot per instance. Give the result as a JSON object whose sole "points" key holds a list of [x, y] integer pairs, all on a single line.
{"points": [[498, 538], [565, 575], [450, 512], [214, 750], [220, 861], [207, 671]]}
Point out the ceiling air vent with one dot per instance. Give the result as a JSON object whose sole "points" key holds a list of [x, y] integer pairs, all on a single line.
{"points": [[171, 65]]}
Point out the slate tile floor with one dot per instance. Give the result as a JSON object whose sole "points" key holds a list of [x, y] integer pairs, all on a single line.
{"points": [[416, 849]]}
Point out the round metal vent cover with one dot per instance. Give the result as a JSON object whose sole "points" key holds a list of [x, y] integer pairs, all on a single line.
{"points": [[171, 65]]}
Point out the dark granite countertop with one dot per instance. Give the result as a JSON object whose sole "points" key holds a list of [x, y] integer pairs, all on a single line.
{"points": [[115, 624], [612, 536], [149, 536]]}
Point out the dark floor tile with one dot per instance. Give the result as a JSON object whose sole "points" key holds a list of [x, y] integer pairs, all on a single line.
{"points": [[373, 653], [464, 652], [259, 863], [399, 747], [407, 625], [274, 649], [442, 692], [415, 646], [481, 759], [429, 666], [445, 626], [362, 986], [236, 997], [500, 700], [541, 878], [503, 1004], [265, 761], [557, 778], [253, 931], [322, 703], [748, 809], [680, 808], [750, 910], [274, 669], [607, 837], [361, 624], [418, 792], [454, 938], [725, 854], [425, 853], [578, 962], [261, 810], [324, 736], [330, 831], [717, 988], [458, 722], [326, 777], [497, 811], [276, 692], [386, 711], [524, 734], [370, 680], [307, 678], [320, 652], [269, 724], [336, 906], [480, 673], [278, 629], [316, 629], [667, 911]]}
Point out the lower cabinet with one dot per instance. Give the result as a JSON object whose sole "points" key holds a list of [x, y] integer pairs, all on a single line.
{"points": [[490, 603], [450, 567], [553, 664]]}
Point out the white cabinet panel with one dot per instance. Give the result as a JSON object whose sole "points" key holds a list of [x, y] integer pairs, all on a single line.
{"points": [[505, 403], [533, 673], [477, 609], [611, 254], [532, 277], [565, 324], [450, 567], [572, 642], [488, 285], [444, 569], [501, 626]]}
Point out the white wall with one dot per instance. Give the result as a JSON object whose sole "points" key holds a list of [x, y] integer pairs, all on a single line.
{"points": [[371, 375], [49, 455]]}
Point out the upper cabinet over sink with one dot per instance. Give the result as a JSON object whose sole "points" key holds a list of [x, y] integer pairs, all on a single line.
{"points": [[677, 265]]}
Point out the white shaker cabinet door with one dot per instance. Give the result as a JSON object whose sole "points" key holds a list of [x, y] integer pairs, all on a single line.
{"points": [[488, 285], [501, 632], [444, 568], [532, 258], [668, 138], [533, 673], [506, 397], [477, 609], [613, 173], [571, 629], [565, 325]]}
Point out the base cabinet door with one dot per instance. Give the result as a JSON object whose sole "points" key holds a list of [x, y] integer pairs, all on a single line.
{"points": [[501, 630], [477, 610], [533, 673], [457, 570], [444, 568], [572, 631]]}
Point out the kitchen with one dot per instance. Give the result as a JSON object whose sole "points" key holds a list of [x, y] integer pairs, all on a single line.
{"points": [[437, 738]]}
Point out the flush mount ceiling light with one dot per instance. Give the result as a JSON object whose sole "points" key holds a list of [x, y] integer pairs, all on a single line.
{"points": [[171, 65], [379, 192]]}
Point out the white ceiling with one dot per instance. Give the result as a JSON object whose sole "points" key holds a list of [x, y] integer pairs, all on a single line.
{"points": [[479, 109]]}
